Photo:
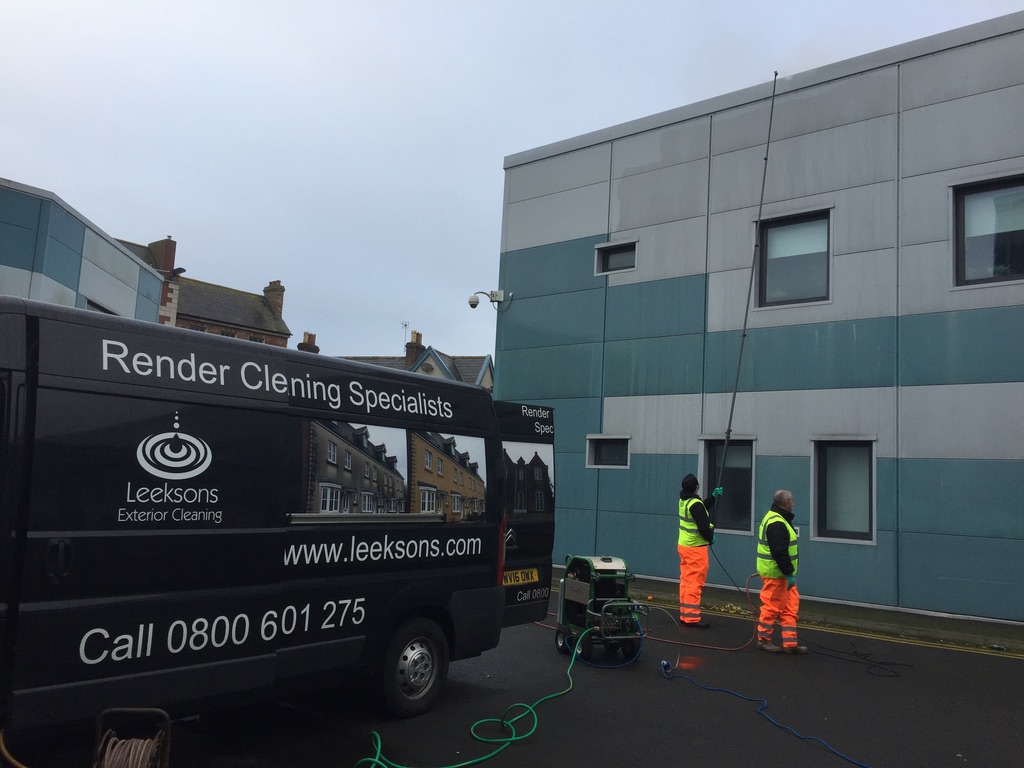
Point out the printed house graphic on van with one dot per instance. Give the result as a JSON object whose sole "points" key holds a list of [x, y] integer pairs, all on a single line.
{"points": [[174, 455]]}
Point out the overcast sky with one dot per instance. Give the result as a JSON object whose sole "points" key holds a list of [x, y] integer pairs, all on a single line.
{"points": [[354, 150]]}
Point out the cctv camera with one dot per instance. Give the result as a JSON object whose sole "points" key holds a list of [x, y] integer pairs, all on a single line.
{"points": [[473, 301]]}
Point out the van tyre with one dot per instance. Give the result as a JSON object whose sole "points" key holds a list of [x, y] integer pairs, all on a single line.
{"points": [[414, 668]]}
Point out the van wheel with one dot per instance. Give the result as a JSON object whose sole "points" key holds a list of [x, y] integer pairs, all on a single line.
{"points": [[414, 668]]}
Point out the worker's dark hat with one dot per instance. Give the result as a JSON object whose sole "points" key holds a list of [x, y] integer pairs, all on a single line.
{"points": [[690, 483]]}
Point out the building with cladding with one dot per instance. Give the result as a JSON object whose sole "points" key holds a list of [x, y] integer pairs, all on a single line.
{"points": [[852, 333], [50, 252]]}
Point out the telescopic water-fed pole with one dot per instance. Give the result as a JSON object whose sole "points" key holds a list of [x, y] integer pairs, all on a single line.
{"points": [[750, 287]]}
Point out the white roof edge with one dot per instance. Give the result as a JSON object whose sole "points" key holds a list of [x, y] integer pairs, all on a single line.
{"points": [[925, 46]]}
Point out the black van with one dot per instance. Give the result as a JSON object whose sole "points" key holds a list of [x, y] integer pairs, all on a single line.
{"points": [[186, 518]]}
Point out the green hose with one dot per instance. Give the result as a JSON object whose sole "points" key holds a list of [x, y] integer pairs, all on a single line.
{"points": [[505, 723]]}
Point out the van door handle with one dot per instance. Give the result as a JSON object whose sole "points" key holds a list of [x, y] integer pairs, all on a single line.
{"points": [[59, 558]]}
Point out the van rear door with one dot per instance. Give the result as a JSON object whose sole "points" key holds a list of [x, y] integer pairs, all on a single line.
{"points": [[528, 440]]}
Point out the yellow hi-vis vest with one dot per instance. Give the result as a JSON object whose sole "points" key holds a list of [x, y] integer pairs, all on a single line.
{"points": [[689, 535], [766, 565]]}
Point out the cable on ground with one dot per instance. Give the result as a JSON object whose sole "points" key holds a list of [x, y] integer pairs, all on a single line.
{"points": [[668, 675]]}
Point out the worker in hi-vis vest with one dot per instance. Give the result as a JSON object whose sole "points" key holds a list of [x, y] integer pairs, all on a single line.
{"points": [[696, 532], [777, 562]]}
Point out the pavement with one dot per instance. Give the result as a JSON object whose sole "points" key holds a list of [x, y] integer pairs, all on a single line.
{"points": [[939, 629]]}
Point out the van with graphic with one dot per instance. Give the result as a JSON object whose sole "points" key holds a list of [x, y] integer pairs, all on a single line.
{"points": [[187, 519]]}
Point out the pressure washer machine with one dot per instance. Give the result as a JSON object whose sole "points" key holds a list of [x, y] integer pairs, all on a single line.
{"points": [[594, 608]]}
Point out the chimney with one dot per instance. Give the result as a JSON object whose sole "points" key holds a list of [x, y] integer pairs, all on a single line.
{"points": [[413, 349], [163, 252], [308, 343], [275, 297]]}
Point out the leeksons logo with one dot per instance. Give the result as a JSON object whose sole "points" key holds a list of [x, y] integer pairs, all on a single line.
{"points": [[172, 456]]}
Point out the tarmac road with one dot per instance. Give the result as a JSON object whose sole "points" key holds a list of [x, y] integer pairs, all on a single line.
{"points": [[853, 700]]}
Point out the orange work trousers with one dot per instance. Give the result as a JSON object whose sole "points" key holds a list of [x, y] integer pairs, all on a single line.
{"points": [[693, 572], [778, 604]]}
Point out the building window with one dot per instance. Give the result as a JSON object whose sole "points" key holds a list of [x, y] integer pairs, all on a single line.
{"points": [[844, 490], [538, 501], [366, 470], [605, 452], [228, 334], [440, 467], [369, 504], [332, 452], [348, 460], [428, 498], [428, 459], [990, 232], [330, 499], [614, 257], [794, 260], [733, 510]]}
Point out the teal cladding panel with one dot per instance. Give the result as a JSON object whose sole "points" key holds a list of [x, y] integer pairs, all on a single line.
{"points": [[646, 542], [62, 264], [976, 576], [58, 256], [550, 372], [575, 485], [575, 533], [860, 573], [551, 321], [732, 563], [970, 347], [150, 286], [574, 420], [886, 496], [66, 229], [841, 355], [650, 486], [551, 269], [670, 365], [963, 498], [17, 246], [656, 308], [146, 310], [19, 210]]}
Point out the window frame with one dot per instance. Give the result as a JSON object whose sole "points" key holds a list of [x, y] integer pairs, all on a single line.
{"points": [[330, 496], [332, 452], [428, 498], [604, 251], [764, 227], [595, 441], [709, 467], [960, 195], [819, 478]]}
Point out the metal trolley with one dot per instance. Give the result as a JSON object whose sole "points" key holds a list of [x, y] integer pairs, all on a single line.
{"points": [[594, 595]]}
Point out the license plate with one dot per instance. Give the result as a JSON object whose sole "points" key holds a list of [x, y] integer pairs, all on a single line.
{"points": [[521, 576]]}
